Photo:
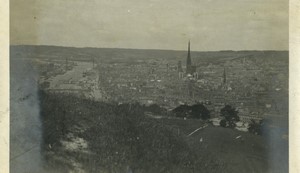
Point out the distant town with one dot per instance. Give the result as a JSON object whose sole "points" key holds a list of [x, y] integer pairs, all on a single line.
{"points": [[254, 82]]}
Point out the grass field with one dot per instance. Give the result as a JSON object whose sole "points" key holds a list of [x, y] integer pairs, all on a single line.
{"points": [[88, 136], [238, 151]]}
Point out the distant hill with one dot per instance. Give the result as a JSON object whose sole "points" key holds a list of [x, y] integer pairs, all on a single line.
{"points": [[119, 55]]}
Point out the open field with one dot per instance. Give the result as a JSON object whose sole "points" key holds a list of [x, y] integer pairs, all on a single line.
{"points": [[239, 151]]}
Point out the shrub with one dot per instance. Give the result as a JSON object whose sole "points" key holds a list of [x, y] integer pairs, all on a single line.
{"points": [[197, 111], [223, 123]]}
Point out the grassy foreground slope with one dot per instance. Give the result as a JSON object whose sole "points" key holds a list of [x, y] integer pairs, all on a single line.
{"points": [[120, 138], [88, 136]]}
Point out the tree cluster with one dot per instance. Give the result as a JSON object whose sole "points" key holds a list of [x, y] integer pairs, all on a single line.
{"points": [[230, 116]]}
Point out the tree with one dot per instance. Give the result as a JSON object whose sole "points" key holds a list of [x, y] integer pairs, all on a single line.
{"points": [[230, 115], [223, 123], [181, 111], [199, 111]]}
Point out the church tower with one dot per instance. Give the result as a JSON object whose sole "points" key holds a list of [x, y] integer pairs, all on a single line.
{"points": [[179, 66], [189, 61], [180, 71]]}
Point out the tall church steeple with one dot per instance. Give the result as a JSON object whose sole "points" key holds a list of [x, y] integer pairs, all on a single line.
{"points": [[189, 60]]}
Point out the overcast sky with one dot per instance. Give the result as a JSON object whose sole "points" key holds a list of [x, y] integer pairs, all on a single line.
{"points": [[152, 24]]}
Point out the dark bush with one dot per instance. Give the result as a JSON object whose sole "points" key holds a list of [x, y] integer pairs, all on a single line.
{"points": [[197, 111], [223, 123], [181, 111]]}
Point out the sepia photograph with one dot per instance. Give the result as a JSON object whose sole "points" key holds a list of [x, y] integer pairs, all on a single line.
{"points": [[112, 86]]}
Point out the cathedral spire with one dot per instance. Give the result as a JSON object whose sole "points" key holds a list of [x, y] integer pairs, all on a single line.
{"points": [[188, 60]]}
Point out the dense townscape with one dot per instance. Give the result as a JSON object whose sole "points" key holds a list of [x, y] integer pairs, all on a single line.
{"points": [[256, 83]]}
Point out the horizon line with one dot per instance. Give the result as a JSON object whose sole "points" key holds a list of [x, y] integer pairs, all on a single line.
{"points": [[92, 47]]}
